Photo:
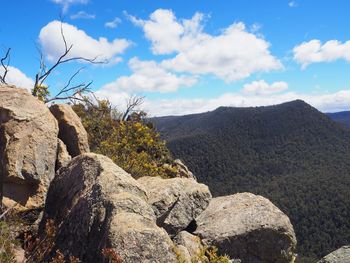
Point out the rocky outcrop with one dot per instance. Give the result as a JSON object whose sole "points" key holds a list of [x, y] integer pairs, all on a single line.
{"points": [[248, 227], [176, 202], [63, 157], [182, 170], [71, 130], [341, 255], [28, 146], [97, 205]]}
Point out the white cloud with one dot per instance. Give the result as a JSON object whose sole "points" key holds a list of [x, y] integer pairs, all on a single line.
{"points": [[232, 55], [18, 78], [67, 3], [254, 28], [261, 87], [51, 41], [114, 23], [314, 52], [82, 15], [148, 76]]}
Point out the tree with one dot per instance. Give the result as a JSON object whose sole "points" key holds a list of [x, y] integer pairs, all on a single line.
{"points": [[5, 62], [40, 89], [69, 91]]}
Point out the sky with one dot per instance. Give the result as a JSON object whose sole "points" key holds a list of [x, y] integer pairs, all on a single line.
{"points": [[187, 56]]}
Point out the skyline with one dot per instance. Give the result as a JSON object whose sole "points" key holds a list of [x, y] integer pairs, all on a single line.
{"points": [[188, 57]]}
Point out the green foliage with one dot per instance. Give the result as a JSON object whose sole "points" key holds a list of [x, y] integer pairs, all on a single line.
{"points": [[210, 255], [290, 153], [206, 255], [7, 243], [41, 92], [133, 144]]}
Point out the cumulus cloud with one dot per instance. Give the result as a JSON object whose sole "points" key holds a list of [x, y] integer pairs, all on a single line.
{"points": [[314, 52], [149, 76], [82, 15], [261, 87], [51, 41], [114, 23], [231, 55], [67, 3], [18, 78]]}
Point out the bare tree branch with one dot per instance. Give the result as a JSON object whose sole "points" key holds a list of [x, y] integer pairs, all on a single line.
{"points": [[131, 104], [68, 91], [5, 65]]}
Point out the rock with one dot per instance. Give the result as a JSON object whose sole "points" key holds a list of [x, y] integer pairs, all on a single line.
{"points": [[95, 205], [191, 243], [138, 239], [341, 255], [183, 255], [126, 202], [71, 130], [28, 147], [248, 227], [183, 170], [63, 157], [176, 202]]}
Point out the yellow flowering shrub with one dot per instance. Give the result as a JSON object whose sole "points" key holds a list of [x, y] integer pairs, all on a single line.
{"points": [[133, 144]]}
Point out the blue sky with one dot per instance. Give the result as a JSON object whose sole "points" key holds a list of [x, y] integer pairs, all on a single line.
{"points": [[189, 56]]}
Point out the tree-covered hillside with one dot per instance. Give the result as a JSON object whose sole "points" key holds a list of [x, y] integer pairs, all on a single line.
{"points": [[342, 117], [290, 153]]}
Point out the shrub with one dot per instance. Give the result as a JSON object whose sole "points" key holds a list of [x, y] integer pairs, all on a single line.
{"points": [[131, 143], [210, 255], [7, 243]]}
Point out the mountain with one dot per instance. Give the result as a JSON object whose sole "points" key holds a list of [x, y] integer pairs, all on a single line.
{"points": [[290, 153], [342, 117]]}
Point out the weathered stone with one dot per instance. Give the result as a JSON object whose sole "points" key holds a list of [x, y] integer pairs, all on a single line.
{"points": [[192, 244], [341, 255], [130, 203], [176, 202], [138, 239], [71, 130], [183, 255], [63, 157], [248, 227], [97, 205], [183, 170], [28, 146]]}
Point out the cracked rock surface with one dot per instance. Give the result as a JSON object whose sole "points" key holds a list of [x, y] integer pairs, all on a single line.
{"points": [[176, 201]]}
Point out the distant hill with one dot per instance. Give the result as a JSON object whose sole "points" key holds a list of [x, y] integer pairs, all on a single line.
{"points": [[342, 117], [290, 153]]}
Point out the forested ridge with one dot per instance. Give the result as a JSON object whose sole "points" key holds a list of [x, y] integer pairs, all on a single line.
{"points": [[342, 117], [290, 153]]}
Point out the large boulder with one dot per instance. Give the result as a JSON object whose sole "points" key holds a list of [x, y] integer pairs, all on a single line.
{"points": [[341, 255], [248, 227], [28, 147], [96, 205], [71, 130], [176, 202]]}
